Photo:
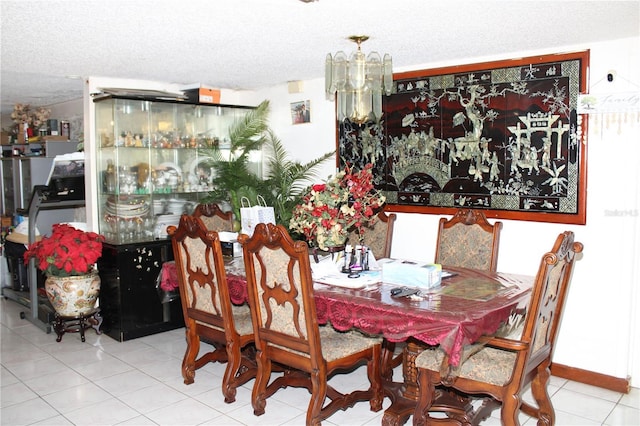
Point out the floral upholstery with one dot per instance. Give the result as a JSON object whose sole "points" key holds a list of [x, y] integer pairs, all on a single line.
{"points": [[241, 317], [377, 237], [340, 344], [207, 307], [467, 240], [272, 268], [519, 354], [467, 246], [482, 364], [287, 333], [214, 218]]}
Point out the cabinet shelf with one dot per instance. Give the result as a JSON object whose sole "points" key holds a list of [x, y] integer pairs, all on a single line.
{"points": [[151, 153], [151, 166]]}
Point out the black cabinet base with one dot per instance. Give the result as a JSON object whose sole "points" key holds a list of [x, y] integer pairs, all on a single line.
{"points": [[130, 302]]}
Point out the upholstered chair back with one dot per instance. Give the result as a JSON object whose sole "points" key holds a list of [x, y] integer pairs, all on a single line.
{"points": [[468, 240], [379, 237], [206, 306], [503, 365], [214, 218], [287, 333]]}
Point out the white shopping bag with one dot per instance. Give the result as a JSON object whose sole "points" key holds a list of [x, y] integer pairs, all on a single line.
{"points": [[250, 215]]}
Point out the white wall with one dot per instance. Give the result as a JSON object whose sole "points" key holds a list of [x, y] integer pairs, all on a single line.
{"points": [[599, 325], [307, 141]]}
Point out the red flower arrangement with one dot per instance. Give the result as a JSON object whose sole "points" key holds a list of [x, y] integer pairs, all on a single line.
{"points": [[346, 202], [67, 252]]}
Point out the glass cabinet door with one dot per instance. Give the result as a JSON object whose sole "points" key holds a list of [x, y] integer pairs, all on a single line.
{"points": [[153, 163]]}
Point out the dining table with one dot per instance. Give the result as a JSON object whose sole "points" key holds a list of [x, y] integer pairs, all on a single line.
{"points": [[467, 305]]}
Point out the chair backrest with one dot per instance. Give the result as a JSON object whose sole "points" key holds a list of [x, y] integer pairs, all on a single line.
{"points": [[548, 296], [214, 218], [281, 297], [468, 240], [202, 279], [378, 237]]}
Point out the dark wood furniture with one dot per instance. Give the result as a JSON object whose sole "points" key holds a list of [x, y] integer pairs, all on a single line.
{"points": [[468, 240], [214, 218], [207, 309], [379, 237], [500, 367], [287, 332], [78, 324], [465, 240], [466, 307]]}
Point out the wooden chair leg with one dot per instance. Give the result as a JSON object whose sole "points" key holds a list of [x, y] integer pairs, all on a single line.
{"points": [[427, 392], [391, 358], [374, 373], [230, 373], [318, 395], [259, 395], [189, 360], [539, 384]]}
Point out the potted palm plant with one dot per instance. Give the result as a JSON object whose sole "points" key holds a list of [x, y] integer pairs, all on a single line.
{"points": [[285, 181]]}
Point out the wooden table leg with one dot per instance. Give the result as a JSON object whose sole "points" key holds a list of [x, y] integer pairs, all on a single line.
{"points": [[404, 395]]}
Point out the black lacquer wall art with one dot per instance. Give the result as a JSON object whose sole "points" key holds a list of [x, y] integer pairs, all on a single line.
{"points": [[502, 136]]}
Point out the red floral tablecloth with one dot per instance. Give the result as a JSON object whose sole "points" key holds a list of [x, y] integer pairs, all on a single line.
{"points": [[237, 282], [467, 306]]}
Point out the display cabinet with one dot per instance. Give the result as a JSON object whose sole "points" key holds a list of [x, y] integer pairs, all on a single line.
{"points": [[153, 162], [131, 303]]}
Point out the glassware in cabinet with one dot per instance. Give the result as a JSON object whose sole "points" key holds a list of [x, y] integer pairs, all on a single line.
{"points": [[153, 162]]}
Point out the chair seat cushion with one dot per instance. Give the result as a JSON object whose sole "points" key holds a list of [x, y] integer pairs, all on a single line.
{"points": [[339, 344], [484, 364], [242, 319]]}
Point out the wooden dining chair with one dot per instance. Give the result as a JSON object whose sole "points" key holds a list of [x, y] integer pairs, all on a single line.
{"points": [[500, 367], [214, 218], [378, 237], [468, 240], [465, 240], [287, 332], [206, 305]]}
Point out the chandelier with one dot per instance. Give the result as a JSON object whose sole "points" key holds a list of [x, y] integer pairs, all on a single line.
{"points": [[359, 82]]}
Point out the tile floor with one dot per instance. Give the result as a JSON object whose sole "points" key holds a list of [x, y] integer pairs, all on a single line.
{"points": [[138, 382]]}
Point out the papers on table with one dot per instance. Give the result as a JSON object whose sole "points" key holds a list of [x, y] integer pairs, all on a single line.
{"points": [[327, 271], [338, 279]]}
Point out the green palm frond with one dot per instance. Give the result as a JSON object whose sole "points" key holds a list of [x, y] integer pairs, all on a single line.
{"points": [[287, 180], [249, 133]]}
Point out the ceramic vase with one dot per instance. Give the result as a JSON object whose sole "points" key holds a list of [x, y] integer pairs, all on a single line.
{"points": [[73, 296]]}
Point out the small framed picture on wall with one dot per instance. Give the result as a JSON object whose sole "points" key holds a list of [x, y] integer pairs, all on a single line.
{"points": [[300, 112]]}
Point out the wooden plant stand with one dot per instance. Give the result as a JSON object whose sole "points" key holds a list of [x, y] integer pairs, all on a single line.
{"points": [[77, 324]]}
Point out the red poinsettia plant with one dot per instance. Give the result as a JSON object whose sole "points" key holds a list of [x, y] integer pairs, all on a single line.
{"points": [[67, 252], [331, 210]]}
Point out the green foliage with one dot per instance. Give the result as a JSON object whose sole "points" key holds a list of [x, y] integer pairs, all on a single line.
{"points": [[233, 178], [286, 181]]}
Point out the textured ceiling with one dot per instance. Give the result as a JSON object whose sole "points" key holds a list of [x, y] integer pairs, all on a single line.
{"points": [[249, 44]]}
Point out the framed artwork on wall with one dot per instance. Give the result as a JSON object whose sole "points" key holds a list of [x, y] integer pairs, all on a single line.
{"points": [[500, 136], [300, 112]]}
